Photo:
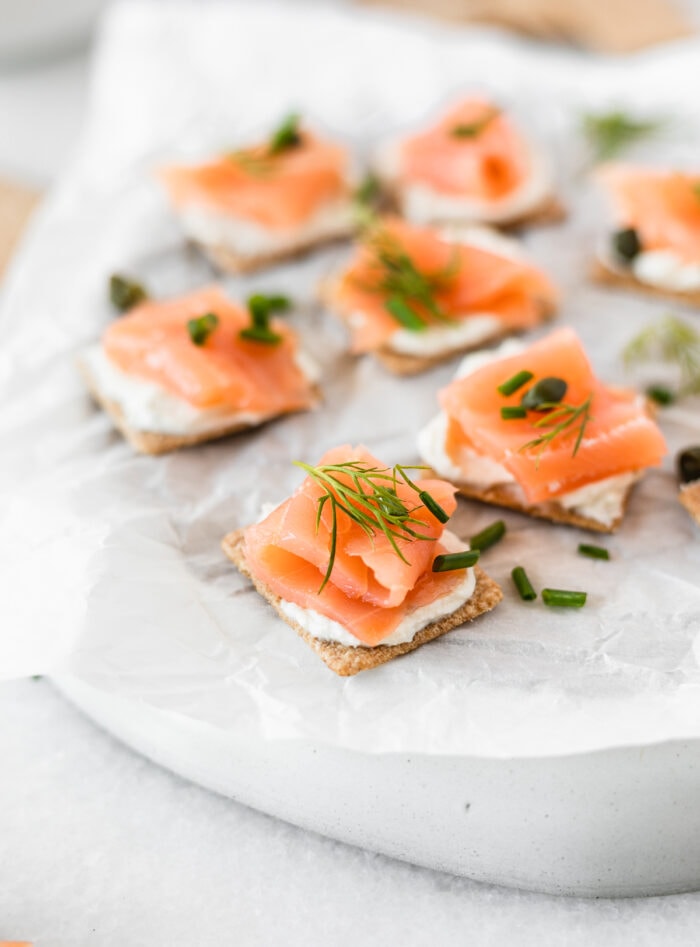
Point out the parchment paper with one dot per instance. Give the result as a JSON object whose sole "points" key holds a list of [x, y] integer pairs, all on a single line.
{"points": [[110, 563]]}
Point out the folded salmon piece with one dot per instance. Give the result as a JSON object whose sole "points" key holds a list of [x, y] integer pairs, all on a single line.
{"points": [[371, 588], [459, 280], [606, 431], [661, 204], [152, 343]]}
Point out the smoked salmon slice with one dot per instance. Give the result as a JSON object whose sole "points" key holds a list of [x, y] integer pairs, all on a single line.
{"points": [[371, 588], [463, 280], [152, 342], [475, 151], [277, 192], [663, 206], [611, 433]]}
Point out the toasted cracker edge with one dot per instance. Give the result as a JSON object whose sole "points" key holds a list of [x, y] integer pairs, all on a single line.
{"points": [[502, 495], [602, 274], [154, 442], [228, 260], [689, 496], [345, 660]]}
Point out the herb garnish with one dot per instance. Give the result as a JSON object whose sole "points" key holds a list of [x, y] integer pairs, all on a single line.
{"points": [[523, 584], [411, 293], [475, 128], [368, 496], [593, 552], [257, 161], [456, 560], [563, 598], [561, 420], [609, 133], [673, 341], [261, 308], [202, 327], [125, 293], [511, 385], [488, 536]]}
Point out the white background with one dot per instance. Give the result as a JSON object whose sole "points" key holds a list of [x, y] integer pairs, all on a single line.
{"points": [[98, 846]]}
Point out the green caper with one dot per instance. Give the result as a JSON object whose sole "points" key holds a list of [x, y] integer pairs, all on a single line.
{"points": [[546, 391], [125, 293], [688, 463], [626, 244]]}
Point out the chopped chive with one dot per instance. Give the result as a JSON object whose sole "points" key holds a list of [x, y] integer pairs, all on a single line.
{"points": [[434, 507], [286, 136], [661, 395], [403, 313], [523, 584], [260, 334], [593, 552], [488, 537], [125, 293], [510, 386], [456, 560], [201, 328], [512, 412], [564, 598]]}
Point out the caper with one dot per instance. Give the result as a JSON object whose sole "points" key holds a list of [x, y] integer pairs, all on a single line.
{"points": [[688, 463], [626, 243], [546, 391], [125, 293]]}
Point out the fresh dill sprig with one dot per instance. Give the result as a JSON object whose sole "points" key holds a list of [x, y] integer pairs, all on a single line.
{"points": [[368, 496], [671, 340], [475, 128], [410, 292], [561, 420], [609, 133], [258, 161]]}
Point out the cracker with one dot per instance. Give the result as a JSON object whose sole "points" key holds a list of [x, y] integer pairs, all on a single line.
{"points": [[689, 496], [600, 273], [155, 442], [230, 261], [509, 497], [400, 363], [346, 660]]}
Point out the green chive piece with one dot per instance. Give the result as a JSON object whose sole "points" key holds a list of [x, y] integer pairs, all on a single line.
{"points": [[512, 412], [456, 560], [563, 598], [201, 328], [125, 293], [547, 391], [286, 136], [261, 307], [516, 381], [523, 584], [488, 537], [431, 504], [403, 314], [260, 334], [593, 552], [660, 395], [473, 129]]}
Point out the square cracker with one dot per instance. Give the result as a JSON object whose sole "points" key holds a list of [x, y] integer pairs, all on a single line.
{"points": [[154, 442], [600, 273], [689, 496], [504, 495], [346, 660]]}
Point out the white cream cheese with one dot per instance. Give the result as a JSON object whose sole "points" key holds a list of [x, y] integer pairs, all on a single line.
{"points": [[148, 407], [247, 238], [662, 269], [423, 204], [602, 500], [327, 629]]}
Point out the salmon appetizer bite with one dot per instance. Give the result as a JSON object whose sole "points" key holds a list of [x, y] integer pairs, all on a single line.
{"points": [[474, 166], [415, 296], [265, 203], [654, 241], [689, 476], [533, 429], [175, 373], [360, 562]]}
